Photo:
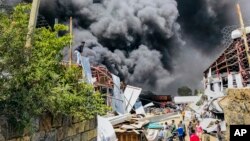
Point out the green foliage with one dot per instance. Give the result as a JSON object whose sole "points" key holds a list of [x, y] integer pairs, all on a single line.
{"points": [[184, 91], [196, 92], [202, 100], [199, 103], [32, 80]]}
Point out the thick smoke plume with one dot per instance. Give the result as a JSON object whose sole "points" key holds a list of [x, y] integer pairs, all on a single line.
{"points": [[202, 22], [131, 38], [159, 45]]}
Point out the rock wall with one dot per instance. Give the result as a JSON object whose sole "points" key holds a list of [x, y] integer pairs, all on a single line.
{"points": [[49, 128], [236, 107]]}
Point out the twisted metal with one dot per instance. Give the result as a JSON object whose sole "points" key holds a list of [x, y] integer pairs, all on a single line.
{"points": [[226, 33]]}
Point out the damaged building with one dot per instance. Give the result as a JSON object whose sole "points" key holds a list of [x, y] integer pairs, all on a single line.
{"points": [[231, 68], [103, 82]]}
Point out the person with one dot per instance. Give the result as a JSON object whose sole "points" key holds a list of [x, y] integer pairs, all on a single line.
{"points": [[199, 130], [173, 126], [194, 124], [218, 129], [168, 136], [193, 136], [78, 52], [195, 117], [161, 135], [190, 127], [165, 125], [183, 114], [184, 128], [180, 132]]}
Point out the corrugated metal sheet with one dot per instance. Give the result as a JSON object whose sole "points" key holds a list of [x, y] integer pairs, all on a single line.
{"points": [[186, 99]]}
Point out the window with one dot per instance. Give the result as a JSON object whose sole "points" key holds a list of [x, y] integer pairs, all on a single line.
{"points": [[212, 87]]}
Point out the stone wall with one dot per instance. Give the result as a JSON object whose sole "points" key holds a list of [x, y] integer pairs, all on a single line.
{"points": [[49, 128], [236, 107]]}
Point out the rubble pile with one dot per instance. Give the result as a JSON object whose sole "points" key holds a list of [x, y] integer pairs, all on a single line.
{"points": [[236, 107], [140, 126], [134, 125]]}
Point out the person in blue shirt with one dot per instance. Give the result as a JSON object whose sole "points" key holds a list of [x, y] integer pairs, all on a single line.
{"points": [[184, 128], [180, 132]]}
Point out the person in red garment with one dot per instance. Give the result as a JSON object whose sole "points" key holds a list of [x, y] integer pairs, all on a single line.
{"points": [[193, 136], [199, 130]]}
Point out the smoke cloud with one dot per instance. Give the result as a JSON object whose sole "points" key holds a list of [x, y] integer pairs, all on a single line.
{"points": [[131, 38], [141, 67], [158, 45]]}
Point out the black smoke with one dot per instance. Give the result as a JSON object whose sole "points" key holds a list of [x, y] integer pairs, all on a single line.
{"points": [[133, 39], [202, 22], [159, 45]]}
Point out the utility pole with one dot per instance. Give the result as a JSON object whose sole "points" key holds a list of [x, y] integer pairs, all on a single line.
{"points": [[56, 22], [70, 45], [32, 22], [243, 30]]}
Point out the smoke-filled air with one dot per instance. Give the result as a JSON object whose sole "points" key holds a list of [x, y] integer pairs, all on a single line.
{"points": [[129, 37], [159, 45]]}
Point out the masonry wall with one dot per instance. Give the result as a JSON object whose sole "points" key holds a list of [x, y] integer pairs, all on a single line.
{"points": [[49, 128], [236, 107]]}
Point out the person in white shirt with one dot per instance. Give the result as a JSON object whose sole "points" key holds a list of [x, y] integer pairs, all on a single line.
{"points": [[165, 125]]}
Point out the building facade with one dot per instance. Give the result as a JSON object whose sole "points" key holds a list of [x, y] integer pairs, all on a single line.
{"points": [[231, 68]]}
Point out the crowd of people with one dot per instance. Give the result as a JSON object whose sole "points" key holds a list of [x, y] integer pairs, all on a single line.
{"points": [[169, 131], [194, 130]]}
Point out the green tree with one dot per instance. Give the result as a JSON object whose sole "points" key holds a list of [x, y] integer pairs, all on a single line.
{"points": [[184, 91], [33, 80]]}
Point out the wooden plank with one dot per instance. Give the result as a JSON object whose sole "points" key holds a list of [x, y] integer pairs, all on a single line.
{"points": [[128, 127], [128, 136], [140, 124]]}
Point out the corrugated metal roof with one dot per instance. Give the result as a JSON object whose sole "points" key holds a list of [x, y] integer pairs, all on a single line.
{"points": [[186, 99]]}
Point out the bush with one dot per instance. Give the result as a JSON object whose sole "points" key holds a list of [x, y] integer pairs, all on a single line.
{"points": [[32, 80], [184, 91]]}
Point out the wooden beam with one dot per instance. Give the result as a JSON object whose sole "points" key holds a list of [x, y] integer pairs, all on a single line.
{"points": [[71, 40], [32, 22], [243, 29]]}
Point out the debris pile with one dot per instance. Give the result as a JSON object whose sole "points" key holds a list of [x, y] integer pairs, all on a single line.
{"points": [[236, 107], [124, 101]]}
